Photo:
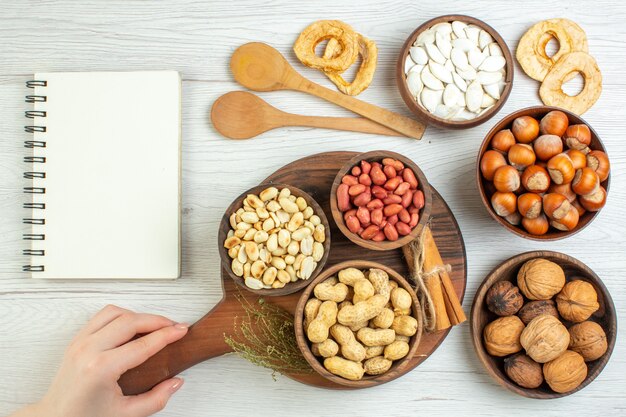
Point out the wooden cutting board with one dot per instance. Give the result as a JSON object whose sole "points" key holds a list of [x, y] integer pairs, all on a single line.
{"points": [[313, 174]]}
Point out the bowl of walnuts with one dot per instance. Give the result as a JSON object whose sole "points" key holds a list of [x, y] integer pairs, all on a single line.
{"points": [[543, 324]]}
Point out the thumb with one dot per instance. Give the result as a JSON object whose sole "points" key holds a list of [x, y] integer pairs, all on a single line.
{"points": [[153, 401]]}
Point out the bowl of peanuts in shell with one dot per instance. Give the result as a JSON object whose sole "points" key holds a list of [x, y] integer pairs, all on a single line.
{"points": [[380, 200], [358, 324], [274, 239]]}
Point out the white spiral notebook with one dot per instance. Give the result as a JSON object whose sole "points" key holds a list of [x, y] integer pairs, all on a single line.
{"points": [[104, 162]]}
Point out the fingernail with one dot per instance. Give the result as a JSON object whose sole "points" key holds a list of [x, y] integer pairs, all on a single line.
{"points": [[181, 326], [178, 382]]}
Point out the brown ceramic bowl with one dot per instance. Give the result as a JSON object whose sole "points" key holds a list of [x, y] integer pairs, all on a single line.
{"points": [[225, 228], [486, 191], [398, 368], [424, 213], [426, 116], [507, 271]]}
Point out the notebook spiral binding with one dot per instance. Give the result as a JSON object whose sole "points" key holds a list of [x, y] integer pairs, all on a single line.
{"points": [[33, 174]]}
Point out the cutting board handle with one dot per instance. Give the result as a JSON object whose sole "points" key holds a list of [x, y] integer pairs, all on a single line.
{"points": [[204, 340]]}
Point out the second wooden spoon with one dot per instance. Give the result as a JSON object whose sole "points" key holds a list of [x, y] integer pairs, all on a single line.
{"points": [[243, 115]]}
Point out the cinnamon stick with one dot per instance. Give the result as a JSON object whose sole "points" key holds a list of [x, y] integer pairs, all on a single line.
{"points": [[432, 259], [433, 284]]}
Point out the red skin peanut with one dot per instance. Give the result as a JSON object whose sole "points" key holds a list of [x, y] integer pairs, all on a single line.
{"points": [[363, 215], [413, 209], [353, 224], [418, 199], [404, 216], [379, 192], [343, 198], [350, 180], [351, 212], [369, 232], [365, 179], [375, 204], [392, 199], [392, 219], [407, 199], [402, 188], [356, 171], [399, 166], [390, 232], [377, 175], [376, 216], [403, 228], [414, 220], [409, 176], [362, 199], [357, 189], [379, 237], [390, 171], [392, 184], [365, 167]]}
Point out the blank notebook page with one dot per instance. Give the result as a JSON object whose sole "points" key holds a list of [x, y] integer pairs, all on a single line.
{"points": [[112, 199]]}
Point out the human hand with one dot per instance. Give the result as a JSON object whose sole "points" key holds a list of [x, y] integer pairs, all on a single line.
{"points": [[86, 383]]}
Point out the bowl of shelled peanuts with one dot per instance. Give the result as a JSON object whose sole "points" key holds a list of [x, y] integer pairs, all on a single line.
{"points": [[543, 173], [358, 324], [274, 239], [380, 200]]}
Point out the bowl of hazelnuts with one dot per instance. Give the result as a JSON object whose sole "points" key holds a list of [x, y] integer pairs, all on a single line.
{"points": [[543, 173], [543, 324]]}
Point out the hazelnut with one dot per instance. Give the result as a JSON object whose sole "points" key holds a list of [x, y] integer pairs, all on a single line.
{"points": [[536, 308], [502, 336], [588, 339], [524, 371], [545, 338], [577, 301], [566, 372], [504, 299], [540, 279]]}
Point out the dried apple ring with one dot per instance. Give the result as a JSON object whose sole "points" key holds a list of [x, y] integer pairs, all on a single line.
{"points": [[531, 51], [363, 78], [320, 31], [551, 90]]}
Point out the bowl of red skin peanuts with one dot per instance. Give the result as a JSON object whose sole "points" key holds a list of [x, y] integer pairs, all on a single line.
{"points": [[380, 200]]}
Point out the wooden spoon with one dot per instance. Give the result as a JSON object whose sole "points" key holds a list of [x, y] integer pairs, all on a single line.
{"points": [[243, 115], [260, 67]]}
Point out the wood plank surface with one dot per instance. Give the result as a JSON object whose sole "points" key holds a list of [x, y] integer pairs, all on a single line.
{"points": [[38, 318]]}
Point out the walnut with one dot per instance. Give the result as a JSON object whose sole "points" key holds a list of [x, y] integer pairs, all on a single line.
{"points": [[540, 279], [504, 299], [545, 338], [524, 371], [588, 339], [502, 336], [566, 372], [536, 308], [577, 301]]}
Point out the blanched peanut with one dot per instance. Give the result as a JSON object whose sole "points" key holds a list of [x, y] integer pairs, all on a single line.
{"points": [[401, 301], [350, 348], [384, 319], [373, 351], [365, 310], [376, 337], [319, 327], [332, 290], [363, 290], [326, 349], [396, 350], [377, 365], [404, 325], [344, 368]]}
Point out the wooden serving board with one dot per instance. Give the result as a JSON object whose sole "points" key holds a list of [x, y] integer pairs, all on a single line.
{"points": [[313, 174]]}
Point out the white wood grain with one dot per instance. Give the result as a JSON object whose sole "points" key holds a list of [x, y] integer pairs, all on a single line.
{"points": [[38, 318]]}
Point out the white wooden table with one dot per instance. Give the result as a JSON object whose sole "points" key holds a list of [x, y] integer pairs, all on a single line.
{"points": [[38, 318]]}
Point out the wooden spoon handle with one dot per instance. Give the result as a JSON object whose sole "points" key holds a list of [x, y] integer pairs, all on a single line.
{"points": [[352, 124], [405, 125], [204, 340]]}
